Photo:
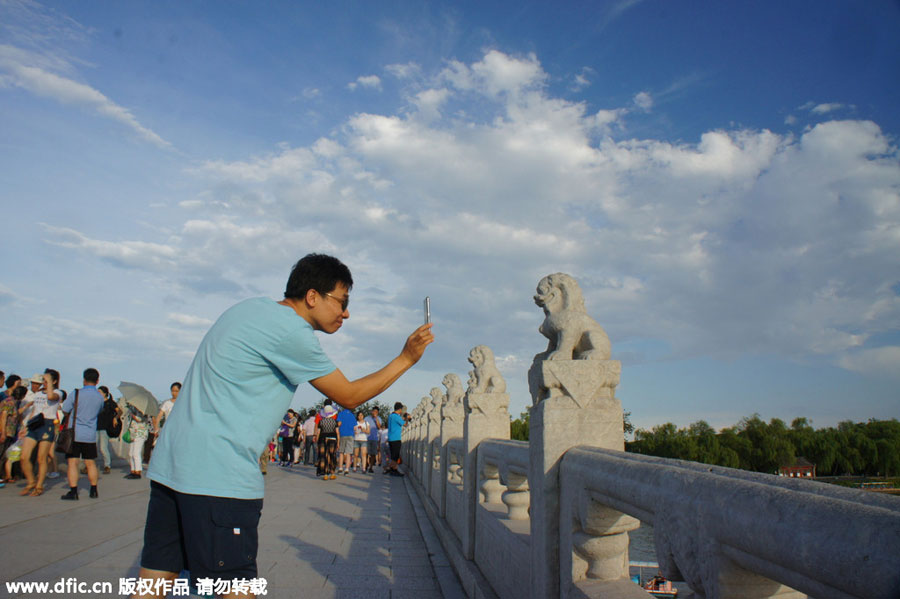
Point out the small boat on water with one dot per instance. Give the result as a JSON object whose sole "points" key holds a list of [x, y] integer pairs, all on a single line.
{"points": [[660, 587], [657, 585]]}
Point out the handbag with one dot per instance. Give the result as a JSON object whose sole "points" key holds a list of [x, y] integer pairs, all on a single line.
{"points": [[127, 436], [109, 420], [114, 429], [36, 422], [65, 442]]}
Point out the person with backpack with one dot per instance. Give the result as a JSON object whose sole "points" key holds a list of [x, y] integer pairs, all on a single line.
{"points": [[109, 426]]}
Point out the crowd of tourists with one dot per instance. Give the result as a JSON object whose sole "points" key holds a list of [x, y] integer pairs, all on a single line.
{"points": [[337, 441], [39, 420], [34, 412]]}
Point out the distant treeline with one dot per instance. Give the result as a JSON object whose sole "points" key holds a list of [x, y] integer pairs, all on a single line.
{"points": [[852, 448]]}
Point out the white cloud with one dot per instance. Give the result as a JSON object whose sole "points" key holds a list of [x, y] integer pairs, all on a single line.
{"points": [[41, 82], [644, 101], [746, 242], [881, 361], [825, 108], [497, 73], [129, 254], [429, 101], [367, 81], [107, 339], [404, 71], [581, 80], [189, 320], [6, 296], [290, 164]]}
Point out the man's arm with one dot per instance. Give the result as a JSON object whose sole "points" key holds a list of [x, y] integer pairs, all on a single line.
{"points": [[352, 394], [3, 427]]}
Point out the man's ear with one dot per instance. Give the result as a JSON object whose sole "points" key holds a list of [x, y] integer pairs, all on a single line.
{"points": [[312, 296]]}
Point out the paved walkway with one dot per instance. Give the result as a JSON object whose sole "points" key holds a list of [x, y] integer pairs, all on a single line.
{"points": [[361, 536]]}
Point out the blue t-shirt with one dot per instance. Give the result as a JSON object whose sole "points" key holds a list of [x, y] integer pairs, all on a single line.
{"points": [[373, 427], [239, 386], [395, 427], [348, 420], [90, 402]]}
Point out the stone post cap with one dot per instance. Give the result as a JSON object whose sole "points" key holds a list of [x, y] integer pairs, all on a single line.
{"points": [[581, 383], [486, 404]]}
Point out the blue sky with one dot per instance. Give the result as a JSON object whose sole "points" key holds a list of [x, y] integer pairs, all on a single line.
{"points": [[722, 178]]}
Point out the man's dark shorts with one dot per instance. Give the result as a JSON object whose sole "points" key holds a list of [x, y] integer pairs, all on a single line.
{"points": [[213, 537], [395, 450], [85, 451]]}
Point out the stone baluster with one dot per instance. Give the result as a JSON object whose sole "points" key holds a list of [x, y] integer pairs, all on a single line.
{"points": [[454, 469], [600, 547], [572, 386], [516, 496], [486, 406], [491, 489]]}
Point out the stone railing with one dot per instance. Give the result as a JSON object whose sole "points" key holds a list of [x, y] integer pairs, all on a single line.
{"points": [[727, 533], [551, 517]]}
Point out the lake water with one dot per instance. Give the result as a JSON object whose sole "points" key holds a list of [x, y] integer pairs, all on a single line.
{"points": [[641, 548]]}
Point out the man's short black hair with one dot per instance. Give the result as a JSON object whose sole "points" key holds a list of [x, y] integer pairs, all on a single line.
{"points": [[91, 375], [398, 406], [12, 380], [19, 392], [319, 272], [328, 401], [175, 384]]}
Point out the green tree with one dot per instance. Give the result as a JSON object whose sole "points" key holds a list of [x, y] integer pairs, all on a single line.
{"points": [[771, 447], [518, 428], [735, 449]]}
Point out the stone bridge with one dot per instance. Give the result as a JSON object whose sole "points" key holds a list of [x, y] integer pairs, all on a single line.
{"points": [[551, 517]]}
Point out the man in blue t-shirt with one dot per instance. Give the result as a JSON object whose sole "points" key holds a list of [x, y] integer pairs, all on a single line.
{"points": [[84, 421], [347, 420], [205, 479], [395, 433]]}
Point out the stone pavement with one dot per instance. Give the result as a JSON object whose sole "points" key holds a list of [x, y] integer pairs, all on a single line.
{"points": [[358, 536]]}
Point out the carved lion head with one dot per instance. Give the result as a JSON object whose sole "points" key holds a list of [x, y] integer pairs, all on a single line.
{"points": [[558, 292]]}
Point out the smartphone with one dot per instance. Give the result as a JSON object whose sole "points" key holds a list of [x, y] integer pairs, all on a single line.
{"points": [[427, 310]]}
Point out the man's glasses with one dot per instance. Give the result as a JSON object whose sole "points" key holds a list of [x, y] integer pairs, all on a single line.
{"points": [[344, 302]]}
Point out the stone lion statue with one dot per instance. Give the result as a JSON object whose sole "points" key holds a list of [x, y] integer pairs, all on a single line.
{"points": [[419, 412], [486, 378], [572, 333], [434, 408], [453, 398]]}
